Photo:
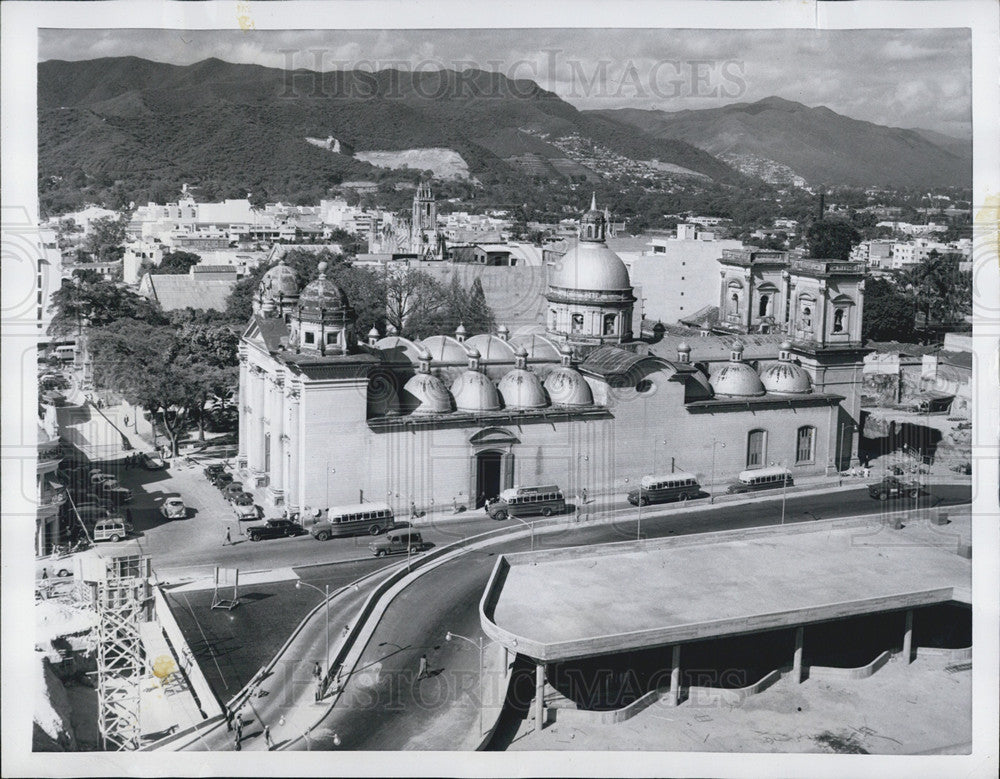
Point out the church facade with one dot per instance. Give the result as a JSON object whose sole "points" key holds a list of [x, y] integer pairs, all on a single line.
{"points": [[330, 416]]}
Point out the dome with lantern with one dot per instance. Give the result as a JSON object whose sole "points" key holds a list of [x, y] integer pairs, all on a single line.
{"points": [[566, 385], [323, 295], [278, 288], [473, 390], [520, 388], [786, 377], [737, 379]]}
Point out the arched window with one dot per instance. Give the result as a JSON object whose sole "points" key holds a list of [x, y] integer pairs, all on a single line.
{"points": [[577, 323], [734, 303], [839, 320], [763, 308], [807, 314], [609, 324], [805, 444], [554, 319], [756, 448]]}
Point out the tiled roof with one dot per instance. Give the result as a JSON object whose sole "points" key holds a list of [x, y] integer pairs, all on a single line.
{"points": [[174, 291]]}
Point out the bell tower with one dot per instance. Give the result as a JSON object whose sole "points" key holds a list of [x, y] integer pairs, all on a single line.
{"points": [[423, 225]]}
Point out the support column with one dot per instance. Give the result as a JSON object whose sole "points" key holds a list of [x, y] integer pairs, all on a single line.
{"points": [[244, 402], [257, 423], [293, 483], [276, 413], [675, 675], [539, 696], [908, 638], [797, 657]]}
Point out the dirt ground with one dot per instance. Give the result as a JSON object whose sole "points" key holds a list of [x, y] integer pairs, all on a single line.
{"points": [[921, 708]]}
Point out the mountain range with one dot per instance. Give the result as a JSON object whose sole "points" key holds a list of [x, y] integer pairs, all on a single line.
{"points": [[143, 128], [818, 144]]}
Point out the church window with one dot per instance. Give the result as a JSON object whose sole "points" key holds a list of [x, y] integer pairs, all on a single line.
{"points": [[577, 326], [554, 319], [756, 440], [838, 320], [309, 337], [331, 338], [609, 324], [807, 321], [805, 444], [734, 303], [764, 306]]}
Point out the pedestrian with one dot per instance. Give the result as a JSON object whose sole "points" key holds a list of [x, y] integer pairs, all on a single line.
{"points": [[229, 719], [413, 510], [422, 672], [347, 630], [319, 690], [125, 420], [267, 738], [229, 538], [317, 671], [238, 746], [45, 573], [583, 494]]}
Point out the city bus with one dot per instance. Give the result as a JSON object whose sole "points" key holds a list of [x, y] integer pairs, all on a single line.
{"points": [[526, 501], [761, 479], [354, 520], [661, 489]]}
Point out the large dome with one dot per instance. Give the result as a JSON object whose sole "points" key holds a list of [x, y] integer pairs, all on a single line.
{"points": [[591, 266], [567, 387], [473, 391], [279, 280], [520, 388], [424, 393], [323, 294]]}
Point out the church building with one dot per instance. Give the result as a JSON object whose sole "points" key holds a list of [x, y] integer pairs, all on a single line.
{"points": [[331, 416]]}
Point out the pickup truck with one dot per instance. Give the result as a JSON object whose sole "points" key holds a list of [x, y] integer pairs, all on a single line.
{"points": [[892, 487]]}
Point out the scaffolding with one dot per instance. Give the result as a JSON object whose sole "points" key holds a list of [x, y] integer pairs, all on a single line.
{"points": [[122, 598]]}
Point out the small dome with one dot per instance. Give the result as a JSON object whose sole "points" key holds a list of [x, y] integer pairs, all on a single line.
{"points": [[473, 391], [491, 348], [279, 280], [786, 346], [567, 387], [521, 388], [591, 266], [683, 347], [323, 294], [737, 380], [424, 393], [373, 333], [445, 350], [786, 378]]}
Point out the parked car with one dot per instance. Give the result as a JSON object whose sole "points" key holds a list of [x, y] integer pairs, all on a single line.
{"points": [[97, 478], [891, 487], [396, 542], [153, 462], [244, 506], [60, 565], [231, 490], [213, 470], [113, 491], [275, 528], [174, 508], [222, 480]]}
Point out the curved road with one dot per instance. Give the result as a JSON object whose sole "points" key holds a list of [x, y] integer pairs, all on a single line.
{"points": [[384, 707]]}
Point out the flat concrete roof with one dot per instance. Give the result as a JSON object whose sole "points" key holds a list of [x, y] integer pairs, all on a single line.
{"points": [[584, 601]]}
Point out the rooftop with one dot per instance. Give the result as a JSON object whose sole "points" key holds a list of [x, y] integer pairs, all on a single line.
{"points": [[585, 601]]}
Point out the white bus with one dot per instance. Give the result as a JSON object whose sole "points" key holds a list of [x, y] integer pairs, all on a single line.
{"points": [[761, 479], [660, 489], [525, 501], [354, 520]]}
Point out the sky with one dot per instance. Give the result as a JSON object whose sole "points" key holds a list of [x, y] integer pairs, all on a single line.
{"points": [[900, 78]]}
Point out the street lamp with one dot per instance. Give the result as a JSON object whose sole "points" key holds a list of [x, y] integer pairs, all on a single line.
{"points": [[326, 593], [715, 442], [479, 645], [329, 470]]}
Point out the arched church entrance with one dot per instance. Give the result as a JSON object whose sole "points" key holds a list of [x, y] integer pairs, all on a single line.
{"points": [[489, 475]]}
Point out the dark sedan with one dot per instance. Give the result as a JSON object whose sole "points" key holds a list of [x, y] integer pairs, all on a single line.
{"points": [[275, 528]]}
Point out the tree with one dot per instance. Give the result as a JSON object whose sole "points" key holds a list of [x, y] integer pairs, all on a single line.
{"points": [[831, 239], [209, 352], [176, 262], [456, 306], [365, 289], [888, 312], [106, 238], [939, 289], [412, 296], [98, 303]]}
